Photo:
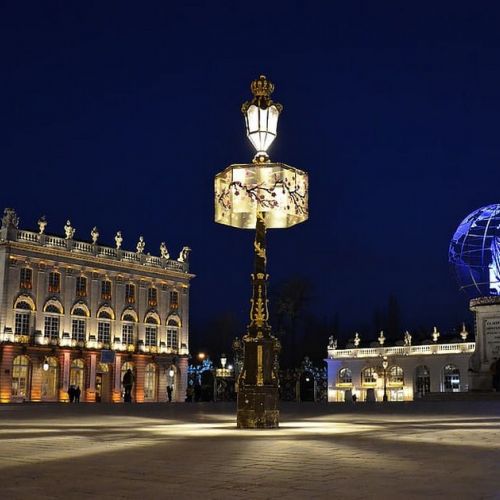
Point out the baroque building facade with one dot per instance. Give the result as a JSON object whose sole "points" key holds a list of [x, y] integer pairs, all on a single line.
{"points": [[402, 372], [79, 314]]}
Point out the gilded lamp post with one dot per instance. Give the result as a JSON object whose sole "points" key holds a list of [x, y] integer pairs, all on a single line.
{"points": [[260, 195]]}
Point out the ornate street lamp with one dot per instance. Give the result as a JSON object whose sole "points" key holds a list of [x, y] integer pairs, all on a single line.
{"points": [[260, 195], [385, 364]]}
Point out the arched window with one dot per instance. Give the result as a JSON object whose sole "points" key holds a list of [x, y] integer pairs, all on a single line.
{"points": [[20, 377], [173, 332], [128, 328], [79, 312], [53, 310], [150, 382], [395, 376], [369, 375], [23, 306], [104, 315], [422, 380], [50, 379], [345, 376], [152, 321], [451, 378], [76, 374]]}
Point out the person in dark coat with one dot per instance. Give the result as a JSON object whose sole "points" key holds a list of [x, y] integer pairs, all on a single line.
{"points": [[128, 382], [71, 393], [77, 394], [169, 393]]}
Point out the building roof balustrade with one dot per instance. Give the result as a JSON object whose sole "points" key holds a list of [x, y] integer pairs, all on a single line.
{"points": [[94, 250], [375, 352]]}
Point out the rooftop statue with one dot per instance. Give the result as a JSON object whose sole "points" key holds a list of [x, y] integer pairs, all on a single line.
{"points": [[118, 240], [94, 234], [69, 230], [164, 251], [184, 255], [10, 218], [42, 224], [407, 338], [141, 245]]}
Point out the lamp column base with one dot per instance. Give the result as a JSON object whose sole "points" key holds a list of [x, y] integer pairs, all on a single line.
{"points": [[257, 407]]}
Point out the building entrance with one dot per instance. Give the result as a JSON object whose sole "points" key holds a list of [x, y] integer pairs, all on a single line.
{"points": [[307, 387], [102, 384]]}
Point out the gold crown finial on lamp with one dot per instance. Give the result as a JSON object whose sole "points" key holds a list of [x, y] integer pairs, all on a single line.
{"points": [[262, 87]]}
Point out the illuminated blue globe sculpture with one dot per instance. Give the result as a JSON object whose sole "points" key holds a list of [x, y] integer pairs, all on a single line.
{"points": [[475, 252]]}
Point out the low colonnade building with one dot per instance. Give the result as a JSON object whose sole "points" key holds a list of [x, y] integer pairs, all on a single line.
{"points": [[402, 373]]}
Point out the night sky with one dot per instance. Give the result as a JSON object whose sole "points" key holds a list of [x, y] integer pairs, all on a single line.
{"points": [[119, 115]]}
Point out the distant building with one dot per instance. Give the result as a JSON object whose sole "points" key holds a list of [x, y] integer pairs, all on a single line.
{"points": [[411, 370], [76, 313]]}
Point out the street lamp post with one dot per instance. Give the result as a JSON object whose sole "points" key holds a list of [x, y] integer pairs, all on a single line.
{"points": [[385, 364], [260, 195]]}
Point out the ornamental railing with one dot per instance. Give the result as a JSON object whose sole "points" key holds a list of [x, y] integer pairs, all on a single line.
{"points": [[85, 248], [412, 350]]}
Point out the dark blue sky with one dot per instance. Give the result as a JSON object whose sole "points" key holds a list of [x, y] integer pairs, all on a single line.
{"points": [[119, 115]]}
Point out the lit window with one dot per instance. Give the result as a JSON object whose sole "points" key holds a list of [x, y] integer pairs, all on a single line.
{"points": [[81, 286], [78, 329], [128, 333], [369, 375], [150, 382], [345, 376], [51, 329], [104, 332], [130, 293], [396, 375], [174, 300], [106, 290], [152, 297], [26, 279], [172, 334], [20, 376], [151, 332], [54, 282], [22, 323]]}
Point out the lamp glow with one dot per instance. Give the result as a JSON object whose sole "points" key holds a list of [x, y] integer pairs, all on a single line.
{"points": [[261, 117], [45, 365]]}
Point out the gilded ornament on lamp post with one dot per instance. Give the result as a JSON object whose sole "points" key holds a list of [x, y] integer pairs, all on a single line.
{"points": [[260, 195]]}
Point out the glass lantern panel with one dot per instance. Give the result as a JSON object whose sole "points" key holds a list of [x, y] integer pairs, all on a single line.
{"points": [[273, 120], [252, 118]]}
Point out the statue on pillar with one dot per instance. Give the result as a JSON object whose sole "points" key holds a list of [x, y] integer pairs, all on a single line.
{"points": [[118, 240], [141, 245], [164, 251], [95, 235], [69, 230], [10, 218], [184, 255], [42, 224], [407, 339], [332, 343]]}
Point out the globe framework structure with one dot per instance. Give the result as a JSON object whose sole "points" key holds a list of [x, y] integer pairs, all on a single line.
{"points": [[475, 252]]}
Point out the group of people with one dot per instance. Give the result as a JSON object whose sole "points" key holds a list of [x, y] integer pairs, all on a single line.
{"points": [[74, 394]]}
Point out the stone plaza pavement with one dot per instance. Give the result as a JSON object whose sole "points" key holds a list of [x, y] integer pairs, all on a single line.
{"points": [[369, 451]]}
